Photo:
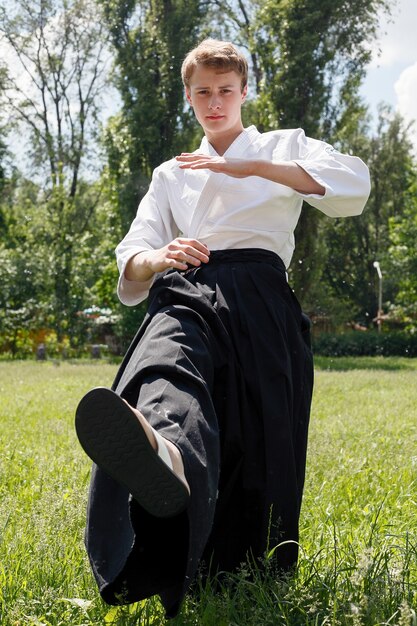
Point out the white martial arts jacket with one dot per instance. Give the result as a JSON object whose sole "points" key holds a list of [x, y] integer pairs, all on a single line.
{"points": [[225, 212]]}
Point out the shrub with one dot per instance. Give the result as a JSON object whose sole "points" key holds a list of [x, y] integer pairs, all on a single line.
{"points": [[368, 343]]}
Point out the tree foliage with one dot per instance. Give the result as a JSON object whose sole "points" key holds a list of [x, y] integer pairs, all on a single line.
{"points": [[354, 245], [56, 61], [150, 38], [61, 218], [29, 256], [308, 58], [401, 259], [312, 55]]}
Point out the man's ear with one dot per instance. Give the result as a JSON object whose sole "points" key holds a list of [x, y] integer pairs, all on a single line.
{"points": [[244, 92], [188, 96]]}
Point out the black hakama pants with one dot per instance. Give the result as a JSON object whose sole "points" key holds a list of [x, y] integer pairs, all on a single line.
{"points": [[222, 367]]}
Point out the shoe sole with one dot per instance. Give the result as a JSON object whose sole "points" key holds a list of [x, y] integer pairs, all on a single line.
{"points": [[114, 439]]}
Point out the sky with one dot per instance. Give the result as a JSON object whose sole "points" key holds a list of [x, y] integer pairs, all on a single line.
{"points": [[392, 74]]}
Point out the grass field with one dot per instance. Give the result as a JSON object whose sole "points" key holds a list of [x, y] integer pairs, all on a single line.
{"points": [[358, 561]]}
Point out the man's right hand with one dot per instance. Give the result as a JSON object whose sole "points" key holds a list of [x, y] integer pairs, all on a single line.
{"points": [[178, 254]]}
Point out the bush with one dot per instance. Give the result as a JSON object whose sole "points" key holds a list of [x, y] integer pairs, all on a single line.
{"points": [[367, 343], [23, 343]]}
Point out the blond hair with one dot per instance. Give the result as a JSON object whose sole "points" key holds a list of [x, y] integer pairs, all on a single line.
{"points": [[221, 55]]}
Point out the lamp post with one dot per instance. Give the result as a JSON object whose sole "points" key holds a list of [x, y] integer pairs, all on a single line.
{"points": [[379, 314]]}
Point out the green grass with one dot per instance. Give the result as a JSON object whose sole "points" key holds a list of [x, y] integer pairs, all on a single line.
{"points": [[358, 561]]}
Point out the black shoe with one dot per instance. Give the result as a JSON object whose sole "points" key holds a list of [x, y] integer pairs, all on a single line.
{"points": [[115, 440]]}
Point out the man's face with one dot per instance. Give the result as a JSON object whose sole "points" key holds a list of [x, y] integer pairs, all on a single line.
{"points": [[216, 99]]}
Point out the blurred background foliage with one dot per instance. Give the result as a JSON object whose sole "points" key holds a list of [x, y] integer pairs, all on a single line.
{"points": [[70, 194]]}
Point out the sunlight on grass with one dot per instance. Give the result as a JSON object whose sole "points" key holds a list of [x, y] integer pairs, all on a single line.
{"points": [[358, 555], [364, 363]]}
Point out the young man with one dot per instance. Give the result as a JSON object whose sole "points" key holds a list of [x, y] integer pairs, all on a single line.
{"points": [[203, 459]]}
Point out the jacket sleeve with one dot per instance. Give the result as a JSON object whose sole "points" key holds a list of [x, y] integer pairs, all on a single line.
{"points": [[152, 228], [344, 177]]}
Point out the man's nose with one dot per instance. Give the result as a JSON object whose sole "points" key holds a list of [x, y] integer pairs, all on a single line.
{"points": [[214, 102]]}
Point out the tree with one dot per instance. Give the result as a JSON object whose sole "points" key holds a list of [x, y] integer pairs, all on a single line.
{"points": [[22, 264], [150, 39], [315, 43], [57, 62], [307, 59], [4, 157], [354, 245], [401, 259]]}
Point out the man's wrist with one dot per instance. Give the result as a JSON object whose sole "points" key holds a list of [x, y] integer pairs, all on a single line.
{"points": [[257, 168], [139, 267]]}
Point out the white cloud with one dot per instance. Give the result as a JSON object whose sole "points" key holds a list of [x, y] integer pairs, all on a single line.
{"points": [[406, 90], [392, 76]]}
